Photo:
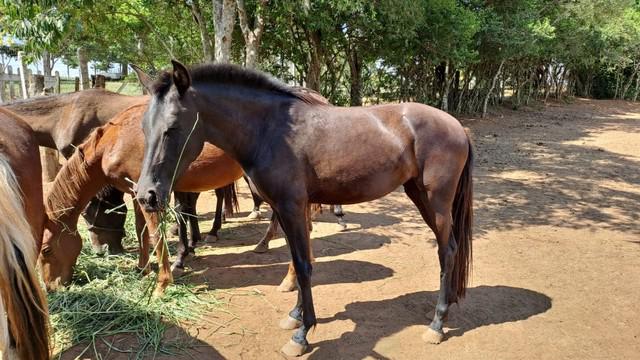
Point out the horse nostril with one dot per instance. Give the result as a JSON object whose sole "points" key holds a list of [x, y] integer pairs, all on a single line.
{"points": [[152, 198]]}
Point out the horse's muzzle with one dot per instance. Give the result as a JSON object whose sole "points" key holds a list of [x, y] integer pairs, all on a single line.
{"points": [[149, 200]]}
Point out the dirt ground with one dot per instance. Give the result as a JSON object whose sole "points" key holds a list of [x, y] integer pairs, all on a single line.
{"points": [[556, 271]]}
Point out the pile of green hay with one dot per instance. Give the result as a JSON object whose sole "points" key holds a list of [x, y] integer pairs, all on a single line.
{"points": [[110, 297]]}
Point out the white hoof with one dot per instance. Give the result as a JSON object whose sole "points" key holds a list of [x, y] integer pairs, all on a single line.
{"points": [[292, 348], [432, 337], [289, 323], [210, 238], [286, 285], [255, 215]]}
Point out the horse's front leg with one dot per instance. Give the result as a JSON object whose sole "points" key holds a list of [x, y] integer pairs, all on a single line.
{"points": [[183, 209], [142, 234], [165, 278], [293, 219]]}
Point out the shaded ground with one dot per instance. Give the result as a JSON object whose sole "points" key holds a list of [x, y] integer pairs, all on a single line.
{"points": [[556, 267]]}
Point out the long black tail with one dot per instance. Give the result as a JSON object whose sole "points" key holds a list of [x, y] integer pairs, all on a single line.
{"points": [[463, 226], [230, 199]]}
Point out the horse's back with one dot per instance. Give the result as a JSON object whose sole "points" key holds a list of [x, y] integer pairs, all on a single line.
{"points": [[365, 152]]}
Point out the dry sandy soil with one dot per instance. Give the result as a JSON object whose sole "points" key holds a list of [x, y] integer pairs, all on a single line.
{"points": [[556, 270]]}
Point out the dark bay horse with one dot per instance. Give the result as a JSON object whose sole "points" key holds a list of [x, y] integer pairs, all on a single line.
{"points": [[64, 121], [112, 155], [284, 140], [23, 307]]}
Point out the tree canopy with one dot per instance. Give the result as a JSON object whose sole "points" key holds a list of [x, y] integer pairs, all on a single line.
{"points": [[455, 54]]}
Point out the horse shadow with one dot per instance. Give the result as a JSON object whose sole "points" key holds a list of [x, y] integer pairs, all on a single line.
{"points": [[249, 232], [376, 320], [324, 246], [218, 277]]}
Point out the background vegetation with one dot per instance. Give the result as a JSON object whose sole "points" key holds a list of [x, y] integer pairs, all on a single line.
{"points": [[455, 54]]}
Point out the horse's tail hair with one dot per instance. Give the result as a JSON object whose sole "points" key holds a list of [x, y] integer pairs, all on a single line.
{"points": [[25, 326], [462, 227], [230, 199]]}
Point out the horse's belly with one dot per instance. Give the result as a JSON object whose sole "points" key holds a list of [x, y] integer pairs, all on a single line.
{"points": [[362, 182]]}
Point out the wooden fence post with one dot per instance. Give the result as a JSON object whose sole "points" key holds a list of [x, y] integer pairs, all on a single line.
{"points": [[77, 84], [11, 90], [37, 85], [56, 87], [23, 75]]}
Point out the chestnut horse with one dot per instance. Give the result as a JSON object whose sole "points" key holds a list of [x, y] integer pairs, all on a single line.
{"points": [[112, 155], [285, 143], [64, 121], [23, 307]]}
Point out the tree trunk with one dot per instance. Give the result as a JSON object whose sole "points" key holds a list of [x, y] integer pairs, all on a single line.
{"points": [[24, 76], [635, 97], [355, 72], [46, 63], [223, 21], [252, 37], [312, 78], [493, 85], [85, 81], [207, 51], [124, 69]]}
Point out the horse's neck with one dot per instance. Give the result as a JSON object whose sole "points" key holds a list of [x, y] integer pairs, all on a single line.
{"points": [[235, 121], [74, 186]]}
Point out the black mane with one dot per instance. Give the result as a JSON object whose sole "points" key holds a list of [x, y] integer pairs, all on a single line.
{"points": [[233, 75]]}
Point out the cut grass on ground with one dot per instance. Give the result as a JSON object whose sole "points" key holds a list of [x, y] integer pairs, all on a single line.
{"points": [[109, 296]]}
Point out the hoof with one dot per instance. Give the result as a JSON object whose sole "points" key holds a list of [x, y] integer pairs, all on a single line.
{"points": [[255, 215], [177, 266], [211, 238], [289, 323], [343, 225], [286, 285], [292, 348], [261, 248], [432, 336]]}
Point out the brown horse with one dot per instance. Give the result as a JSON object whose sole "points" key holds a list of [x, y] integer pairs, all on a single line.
{"points": [[24, 328], [112, 155], [284, 141], [64, 121]]}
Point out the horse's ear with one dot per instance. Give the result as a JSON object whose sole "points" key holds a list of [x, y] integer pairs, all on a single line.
{"points": [[143, 77], [181, 77]]}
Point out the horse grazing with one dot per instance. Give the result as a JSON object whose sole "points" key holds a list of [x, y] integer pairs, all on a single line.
{"points": [[284, 140], [64, 121], [24, 320], [112, 155]]}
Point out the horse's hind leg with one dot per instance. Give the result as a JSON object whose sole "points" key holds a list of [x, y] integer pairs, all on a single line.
{"points": [[257, 200], [212, 236], [435, 208], [263, 245], [337, 211], [192, 215]]}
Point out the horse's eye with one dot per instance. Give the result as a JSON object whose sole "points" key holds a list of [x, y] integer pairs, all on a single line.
{"points": [[46, 250]]}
